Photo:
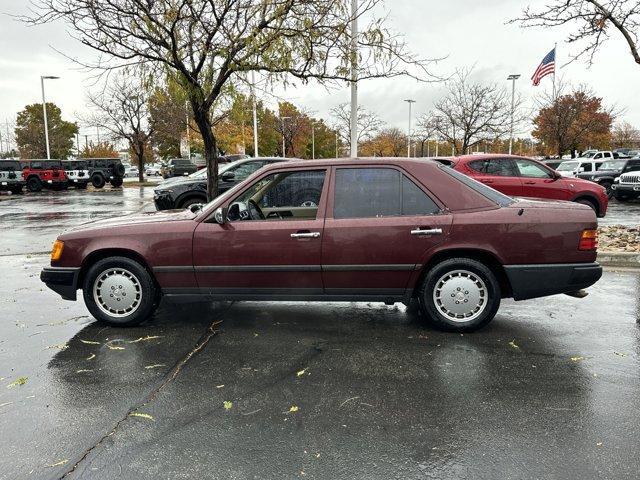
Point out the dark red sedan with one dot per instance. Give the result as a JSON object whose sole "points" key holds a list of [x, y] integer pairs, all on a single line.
{"points": [[384, 230], [524, 177]]}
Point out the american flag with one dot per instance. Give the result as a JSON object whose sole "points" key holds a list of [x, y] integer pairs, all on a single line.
{"points": [[546, 67]]}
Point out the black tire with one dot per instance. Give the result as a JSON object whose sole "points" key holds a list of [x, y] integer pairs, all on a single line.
{"points": [[607, 187], [34, 184], [138, 284], [588, 203], [624, 197], [116, 182], [97, 180], [82, 186], [119, 169], [16, 190], [191, 201], [465, 273]]}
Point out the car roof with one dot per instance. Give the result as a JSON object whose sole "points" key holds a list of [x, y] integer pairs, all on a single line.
{"points": [[485, 156], [329, 162]]}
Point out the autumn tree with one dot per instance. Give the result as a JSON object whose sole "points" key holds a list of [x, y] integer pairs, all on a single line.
{"points": [[209, 43], [30, 137], [169, 112], [368, 123], [389, 142], [103, 149], [592, 22], [625, 135], [573, 122], [472, 111], [122, 108]]}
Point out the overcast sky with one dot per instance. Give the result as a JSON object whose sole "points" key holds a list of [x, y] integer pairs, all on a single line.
{"points": [[470, 33]]}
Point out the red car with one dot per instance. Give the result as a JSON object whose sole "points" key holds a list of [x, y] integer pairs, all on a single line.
{"points": [[386, 230], [523, 177]]}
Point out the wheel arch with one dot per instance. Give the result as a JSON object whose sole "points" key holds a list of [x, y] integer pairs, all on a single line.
{"points": [[590, 198], [103, 253], [483, 256], [183, 197]]}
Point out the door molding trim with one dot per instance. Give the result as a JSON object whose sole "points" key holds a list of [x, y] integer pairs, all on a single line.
{"points": [[286, 268]]}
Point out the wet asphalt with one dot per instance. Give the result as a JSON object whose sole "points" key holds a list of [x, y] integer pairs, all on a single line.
{"points": [[550, 389]]}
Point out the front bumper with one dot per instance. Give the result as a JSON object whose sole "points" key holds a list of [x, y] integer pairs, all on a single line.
{"points": [[532, 281], [626, 187], [163, 202], [9, 184], [62, 280]]}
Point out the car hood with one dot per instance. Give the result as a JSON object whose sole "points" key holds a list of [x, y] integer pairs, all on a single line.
{"points": [[137, 219]]}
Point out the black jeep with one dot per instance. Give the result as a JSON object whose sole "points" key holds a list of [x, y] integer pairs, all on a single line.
{"points": [[11, 176], [103, 170], [610, 170]]}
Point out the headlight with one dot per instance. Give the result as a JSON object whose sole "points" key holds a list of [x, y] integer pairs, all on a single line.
{"points": [[163, 192], [56, 251], [617, 179]]}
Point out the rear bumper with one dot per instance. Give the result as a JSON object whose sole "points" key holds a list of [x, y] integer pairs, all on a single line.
{"points": [[532, 281], [63, 281]]}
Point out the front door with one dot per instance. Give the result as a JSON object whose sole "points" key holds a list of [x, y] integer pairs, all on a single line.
{"points": [[271, 244], [379, 225], [539, 182]]}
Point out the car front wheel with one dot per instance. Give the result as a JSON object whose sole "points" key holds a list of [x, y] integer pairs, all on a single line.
{"points": [[460, 295], [119, 291]]}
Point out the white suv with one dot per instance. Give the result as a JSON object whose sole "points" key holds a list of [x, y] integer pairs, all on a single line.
{"points": [[571, 168]]}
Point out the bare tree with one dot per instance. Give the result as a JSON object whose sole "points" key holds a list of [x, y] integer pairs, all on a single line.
{"points": [[122, 109], [625, 135], [209, 43], [369, 124], [427, 130], [473, 111], [593, 19]]}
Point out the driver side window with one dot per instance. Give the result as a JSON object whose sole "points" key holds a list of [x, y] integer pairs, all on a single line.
{"points": [[531, 170], [281, 196]]}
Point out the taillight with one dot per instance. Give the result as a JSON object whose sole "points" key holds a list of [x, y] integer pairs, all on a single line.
{"points": [[588, 240]]}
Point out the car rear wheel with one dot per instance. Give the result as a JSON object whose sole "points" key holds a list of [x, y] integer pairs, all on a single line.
{"points": [[34, 184], [116, 182], [97, 181], [119, 291], [460, 295], [192, 201]]}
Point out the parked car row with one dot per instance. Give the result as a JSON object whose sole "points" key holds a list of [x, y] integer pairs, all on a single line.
{"points": [[60, 174]]}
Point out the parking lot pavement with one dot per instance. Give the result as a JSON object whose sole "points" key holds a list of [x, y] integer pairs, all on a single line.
{"points": [[622, 213], [31, 222], [549, 390]]}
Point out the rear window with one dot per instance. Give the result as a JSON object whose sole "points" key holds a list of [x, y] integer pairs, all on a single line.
{"points": [[8, 165], [488, 192]]}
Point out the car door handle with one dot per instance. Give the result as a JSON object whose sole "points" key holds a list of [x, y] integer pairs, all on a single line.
{"points": [[305, 235], [486, 180], [426, 231], [529, 183]]}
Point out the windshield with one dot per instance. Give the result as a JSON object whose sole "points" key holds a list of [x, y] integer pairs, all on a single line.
{"points": [[567, 166], [589, 153], [612, 165]]}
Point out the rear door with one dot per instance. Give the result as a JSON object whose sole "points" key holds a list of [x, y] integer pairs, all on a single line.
{"points": [[498, 173], [379, 224], [540, 182]]}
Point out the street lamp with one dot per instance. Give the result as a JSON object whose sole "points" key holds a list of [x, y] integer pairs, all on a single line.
{"points": [[353, 121], [284, 147], [44, 111], [513, 78], [410, 102], [313, 141]]}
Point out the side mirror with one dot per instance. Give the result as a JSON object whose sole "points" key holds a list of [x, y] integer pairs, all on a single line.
{"points": [[221, 215], [228, 176]]}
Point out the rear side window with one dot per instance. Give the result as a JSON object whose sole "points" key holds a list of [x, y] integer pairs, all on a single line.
{"points": [[586, 166], [487, 192], [494, 166], [378, 192], [633, 167]]}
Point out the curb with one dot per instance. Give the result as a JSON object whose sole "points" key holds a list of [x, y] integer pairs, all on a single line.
{"points": [[619, 259]]}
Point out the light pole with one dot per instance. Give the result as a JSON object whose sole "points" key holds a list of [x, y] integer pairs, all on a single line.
{"points": [[410, 102], [354, 79], [336, 144], [313, 141], [255, 114], [284, 147], [513, 78], [44, 111]]}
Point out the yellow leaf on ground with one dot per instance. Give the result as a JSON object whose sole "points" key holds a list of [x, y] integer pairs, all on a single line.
{"points": [[620, 354], [5, 404], [157, 365], [57, 464], [144, 339], [91, 357], [577, 359], [293, 409], [114, 347], [19, 381], [227, 405], [301, 372], [219, 386], [89, 342], [60, 346], [513, 344], [83, 371], [141, 415]]}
